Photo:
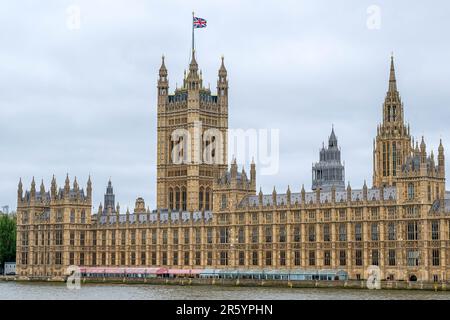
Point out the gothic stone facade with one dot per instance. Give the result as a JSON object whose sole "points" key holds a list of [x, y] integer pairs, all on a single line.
{"points": [[212, 217]]}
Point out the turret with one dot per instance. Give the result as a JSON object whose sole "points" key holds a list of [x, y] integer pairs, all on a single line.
{"points": [[67, 186], [222, 82], [303, 194], [33, 189], [365, 191], [75, 184], [109, 198], [288, 195], [349, 192], [42, 189], [233, 169], [20, 190], [441, 159], [274, 196], [163, 82], [193, 81], [253, 176], [423, 151], [433, 164], [318, 195], [416, 149], [243, 176], [89, 188], [53, 189]]}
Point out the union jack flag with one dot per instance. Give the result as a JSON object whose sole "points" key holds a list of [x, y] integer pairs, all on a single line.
{"points": [[199, 23]]}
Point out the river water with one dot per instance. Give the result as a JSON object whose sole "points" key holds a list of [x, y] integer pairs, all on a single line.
{"points": [[23, 290]]}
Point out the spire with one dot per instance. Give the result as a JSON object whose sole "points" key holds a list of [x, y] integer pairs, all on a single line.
{"points": [[253, 175], [67, 182], [222, 69], [89, 187], [33, 188], [53, 187], [422, 144], [441, 159], [20, 190], [75, 184], [42, 189], [332, 141], [392, 80], [423, 151], [193, 66], [162, 69]]}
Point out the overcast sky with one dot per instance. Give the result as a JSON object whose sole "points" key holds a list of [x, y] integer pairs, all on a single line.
{"points": [[83, 100]]}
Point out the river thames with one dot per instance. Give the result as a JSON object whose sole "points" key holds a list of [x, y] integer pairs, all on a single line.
{"points": [[49, 291]]}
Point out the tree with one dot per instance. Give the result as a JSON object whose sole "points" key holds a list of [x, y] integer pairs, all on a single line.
{"points": [[7, 239]]}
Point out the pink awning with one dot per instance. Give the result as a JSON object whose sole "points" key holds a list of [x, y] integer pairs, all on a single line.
{"points": [[184, 271]]}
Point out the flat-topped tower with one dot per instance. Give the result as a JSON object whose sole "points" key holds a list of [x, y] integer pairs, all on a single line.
{"points": [[192, 139]]}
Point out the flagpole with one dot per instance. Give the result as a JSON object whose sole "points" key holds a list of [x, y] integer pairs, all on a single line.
{"points": [[192, 22]]}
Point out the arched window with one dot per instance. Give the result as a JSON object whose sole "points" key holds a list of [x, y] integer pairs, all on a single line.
{"points": [[200, 198], [224, 201], [72, 216], [83, 216], [177, 198], [394, 158], [410, 191], [170, 198], [207, 199], [183, 199]]}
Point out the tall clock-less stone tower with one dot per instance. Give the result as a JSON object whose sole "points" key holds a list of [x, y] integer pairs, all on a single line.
{"points": [[192, 139], [392, 144]]}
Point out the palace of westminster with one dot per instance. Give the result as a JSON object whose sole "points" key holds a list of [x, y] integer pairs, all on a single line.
{"points": [[211, 216]]}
